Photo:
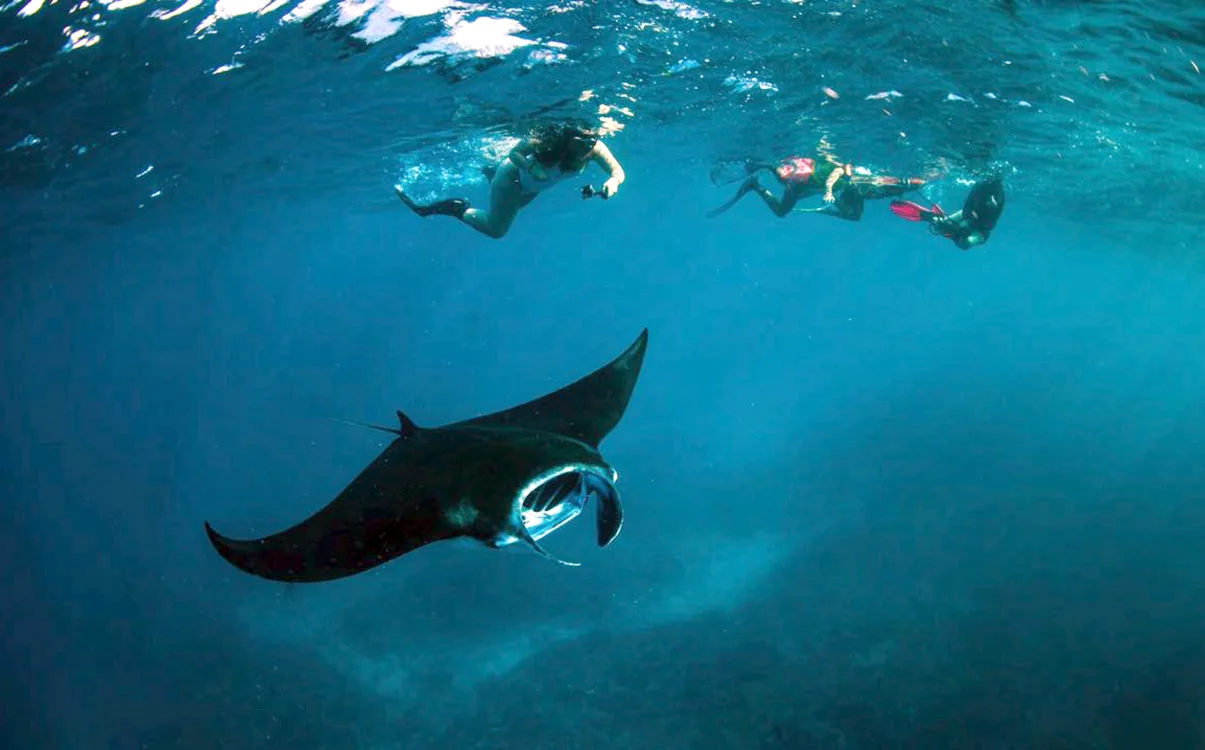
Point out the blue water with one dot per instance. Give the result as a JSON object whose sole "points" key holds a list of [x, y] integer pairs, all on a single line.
{"points": [[880, 493]]}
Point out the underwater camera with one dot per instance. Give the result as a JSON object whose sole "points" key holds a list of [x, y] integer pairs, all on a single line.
{"points": [[588, 192]]}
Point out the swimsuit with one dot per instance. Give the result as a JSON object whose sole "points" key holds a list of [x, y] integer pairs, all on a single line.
{"points": [[530, 184]]}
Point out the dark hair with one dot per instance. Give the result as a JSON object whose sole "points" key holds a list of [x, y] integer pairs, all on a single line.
{"points": [[565, 143]]}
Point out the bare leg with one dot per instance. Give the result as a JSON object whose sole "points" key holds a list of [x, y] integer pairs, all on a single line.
{"points": [[506, 198]]}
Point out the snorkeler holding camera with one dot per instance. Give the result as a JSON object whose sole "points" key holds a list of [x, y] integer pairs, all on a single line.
{"points": [[549, 155]]}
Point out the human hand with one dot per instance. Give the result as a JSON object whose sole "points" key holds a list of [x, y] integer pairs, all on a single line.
{"points": [[828, 197], [610, 187]]}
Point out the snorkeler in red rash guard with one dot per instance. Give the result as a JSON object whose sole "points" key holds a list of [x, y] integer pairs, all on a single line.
{"points": [[967, 228], [846, 188]]}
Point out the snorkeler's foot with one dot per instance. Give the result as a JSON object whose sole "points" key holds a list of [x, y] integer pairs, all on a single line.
{"points": [[454, 207], [915, 211]]}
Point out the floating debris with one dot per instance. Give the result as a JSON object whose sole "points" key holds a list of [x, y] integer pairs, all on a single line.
{"points": [[683, 66], [28, 141], [741, 84], [681, 10], [544, 56]]}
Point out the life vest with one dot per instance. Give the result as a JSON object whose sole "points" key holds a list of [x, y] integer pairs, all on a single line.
{"points": [[796, 169]]}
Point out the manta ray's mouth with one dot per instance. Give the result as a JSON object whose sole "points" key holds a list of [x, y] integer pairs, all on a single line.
{"points": [[556, 497]]}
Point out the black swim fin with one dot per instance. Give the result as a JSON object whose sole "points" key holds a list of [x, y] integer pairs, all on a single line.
{"points": [[732, 171], [454, 207], [750, 183], [449, 207]]}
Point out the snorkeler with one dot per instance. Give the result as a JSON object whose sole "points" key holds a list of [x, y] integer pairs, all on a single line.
{"points": [[846, 188], [970, 227], [551, 154]]}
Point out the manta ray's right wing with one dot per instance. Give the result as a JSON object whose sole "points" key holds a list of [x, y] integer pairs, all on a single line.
{"points": [[382, 514]]}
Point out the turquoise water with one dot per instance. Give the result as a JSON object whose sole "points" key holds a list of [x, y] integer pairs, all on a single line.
{"points": [[880, 493]]}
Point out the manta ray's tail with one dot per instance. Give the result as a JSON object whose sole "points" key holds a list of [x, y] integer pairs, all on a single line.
{"points": [[406, 429]]}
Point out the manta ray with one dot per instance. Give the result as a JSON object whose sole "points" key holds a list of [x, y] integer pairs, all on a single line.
{"points": [[511, 477]]}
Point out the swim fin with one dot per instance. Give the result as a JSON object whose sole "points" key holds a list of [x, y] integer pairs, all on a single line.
{"points": [[734, 170], [751, 183], [449, 207], [916, 212]]}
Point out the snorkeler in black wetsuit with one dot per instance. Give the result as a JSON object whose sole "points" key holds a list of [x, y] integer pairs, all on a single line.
{"points": [[970, 227]]}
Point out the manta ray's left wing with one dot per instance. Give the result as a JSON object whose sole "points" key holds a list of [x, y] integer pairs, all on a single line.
{"points": [[586, 410]]}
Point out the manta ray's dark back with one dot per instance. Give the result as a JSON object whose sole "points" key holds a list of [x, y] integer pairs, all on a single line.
{"points": [[461, 479]]}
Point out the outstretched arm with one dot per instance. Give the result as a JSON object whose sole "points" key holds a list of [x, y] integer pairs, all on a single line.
{"points": [[603, 156], [832, 181]]}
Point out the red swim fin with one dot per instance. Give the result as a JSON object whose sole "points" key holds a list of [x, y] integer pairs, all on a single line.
{"points": [[914, 211]]}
